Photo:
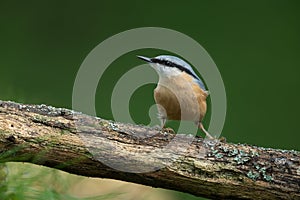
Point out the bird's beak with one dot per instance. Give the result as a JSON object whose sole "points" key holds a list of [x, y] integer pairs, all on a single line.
{"points": [[145, 59]]}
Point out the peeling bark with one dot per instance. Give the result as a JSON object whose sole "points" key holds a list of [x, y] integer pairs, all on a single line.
{"points": [[94, 147]]}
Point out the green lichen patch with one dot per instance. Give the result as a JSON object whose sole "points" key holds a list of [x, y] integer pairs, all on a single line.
{"points": [[253, 175], [239, 156], [219, 155], [262, 172], [215, 153], [113, 126], [103, 123], [233, 152], [268, 178], [223, 149], [39, 119], [243, 153], [240, 159], [253, 153]]}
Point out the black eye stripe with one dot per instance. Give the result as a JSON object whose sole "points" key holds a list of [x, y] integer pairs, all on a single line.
{"points": [[172, 64]]}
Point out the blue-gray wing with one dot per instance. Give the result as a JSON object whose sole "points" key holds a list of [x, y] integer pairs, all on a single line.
{"points": [[200, 83]]}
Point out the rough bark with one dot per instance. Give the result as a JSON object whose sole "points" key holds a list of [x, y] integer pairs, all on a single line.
{"points": [[86, 145]]}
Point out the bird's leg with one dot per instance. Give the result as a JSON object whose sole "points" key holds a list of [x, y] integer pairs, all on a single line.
{"points": [[165, 129], [205, 131], [161, 115], [162, 122]]}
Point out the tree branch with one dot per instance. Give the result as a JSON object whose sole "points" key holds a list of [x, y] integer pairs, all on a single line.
{"points": [[85, 145]]}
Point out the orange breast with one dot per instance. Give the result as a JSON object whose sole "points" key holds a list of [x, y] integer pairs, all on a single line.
{"points": [[168, 104], [181, 99]]}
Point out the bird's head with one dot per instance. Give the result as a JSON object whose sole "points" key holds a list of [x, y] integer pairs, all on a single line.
{"points": [[166, 66]]}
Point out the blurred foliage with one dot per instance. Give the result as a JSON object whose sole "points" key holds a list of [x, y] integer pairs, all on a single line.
{"points": [[255, 45], [25, 181]]}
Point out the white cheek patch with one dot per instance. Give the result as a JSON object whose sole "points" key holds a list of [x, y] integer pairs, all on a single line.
{"points": [[167, 72]]}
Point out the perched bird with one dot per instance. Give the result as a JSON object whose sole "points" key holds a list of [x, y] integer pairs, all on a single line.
{"points": [[180, 94]]}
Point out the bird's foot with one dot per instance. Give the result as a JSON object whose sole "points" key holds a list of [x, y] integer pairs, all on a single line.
{"points": [[222, 139], [200, 125], [168, 130]]}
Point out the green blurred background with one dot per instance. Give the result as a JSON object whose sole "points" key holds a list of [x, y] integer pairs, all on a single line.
{"points": [[255, 45]]}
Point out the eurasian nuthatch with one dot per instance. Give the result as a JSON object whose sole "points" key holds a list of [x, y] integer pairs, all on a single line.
{"points": [[180, 94]]}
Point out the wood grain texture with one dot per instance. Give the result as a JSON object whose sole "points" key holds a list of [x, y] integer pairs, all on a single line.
{"points": [[84, 145]]}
